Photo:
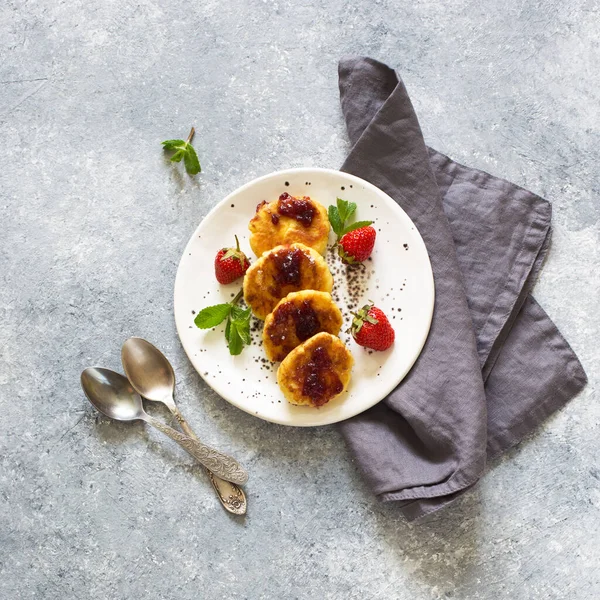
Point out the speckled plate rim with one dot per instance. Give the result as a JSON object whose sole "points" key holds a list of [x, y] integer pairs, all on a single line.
{"points": [[219, 385]]}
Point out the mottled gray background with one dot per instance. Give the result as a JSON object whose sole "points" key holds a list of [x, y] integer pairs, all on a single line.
{"points": [[93, 221]]}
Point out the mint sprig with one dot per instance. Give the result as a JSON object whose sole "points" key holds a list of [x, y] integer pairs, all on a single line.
{"points": [[211, 316], [237, 327], [183, 149], [340, 214]]}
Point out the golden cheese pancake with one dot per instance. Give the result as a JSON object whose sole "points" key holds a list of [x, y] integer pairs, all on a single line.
{"points": [[297, 317], [284, 269], [316, 371], [286, 220]]}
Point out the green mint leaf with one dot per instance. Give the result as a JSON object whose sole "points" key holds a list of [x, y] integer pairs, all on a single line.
{"points": [[178, 156], [342, 206], [239, 329], [244, 321], [211, 316], [356, 225], [173, 144], [350, 210], [183, 150], [190, 159], [244, 333], [241, 320], [228, 329], [334, 219], [239, 314], [236, 344]]}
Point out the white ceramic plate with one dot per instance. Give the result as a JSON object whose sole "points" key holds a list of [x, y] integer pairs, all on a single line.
{"points": [[398, 279]]}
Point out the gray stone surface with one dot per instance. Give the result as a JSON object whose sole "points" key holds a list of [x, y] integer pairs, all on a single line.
{"points": [[93, 221]]}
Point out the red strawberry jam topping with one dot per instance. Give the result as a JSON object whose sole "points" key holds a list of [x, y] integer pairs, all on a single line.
{"points": [[303, 316], [301, 209], [287, 264], [321, 382]]}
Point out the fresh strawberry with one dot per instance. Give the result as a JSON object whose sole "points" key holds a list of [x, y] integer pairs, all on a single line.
{"points": [[355, 241], [371, 328], [357, 245], [230, 263]]}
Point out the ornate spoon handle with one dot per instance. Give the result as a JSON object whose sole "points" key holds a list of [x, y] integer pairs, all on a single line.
{"points": [[220, 464], [232, 497]]}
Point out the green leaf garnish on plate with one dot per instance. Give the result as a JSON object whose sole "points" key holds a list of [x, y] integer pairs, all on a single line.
{"points": [[211, 316], [237, 326], [340, 214]]}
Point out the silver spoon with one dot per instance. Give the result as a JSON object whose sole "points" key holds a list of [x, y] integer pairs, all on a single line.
{"points": [[151, 375], [112, 395]]}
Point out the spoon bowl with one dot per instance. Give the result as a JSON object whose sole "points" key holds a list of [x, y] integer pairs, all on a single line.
{"points": [[149, 370], [112, 394]]}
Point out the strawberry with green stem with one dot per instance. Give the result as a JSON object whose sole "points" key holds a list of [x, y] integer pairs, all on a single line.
{"points": [[371, 328], [354, 241], [230, 264]]}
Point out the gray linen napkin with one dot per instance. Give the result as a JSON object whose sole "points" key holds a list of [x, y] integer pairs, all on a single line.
{"points": [[494, 365]]}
